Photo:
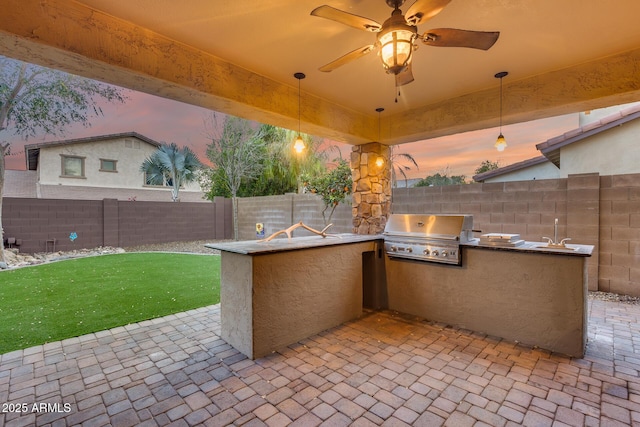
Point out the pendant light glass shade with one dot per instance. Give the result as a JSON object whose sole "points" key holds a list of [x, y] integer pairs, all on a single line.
{"points": [[396, 43], [501, 143], [298, 145]]}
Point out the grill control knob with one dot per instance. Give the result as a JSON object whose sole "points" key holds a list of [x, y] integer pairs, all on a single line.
{"points": [[393, 248], [434, 253], [409, 250], [444, 254], [426, 252]]}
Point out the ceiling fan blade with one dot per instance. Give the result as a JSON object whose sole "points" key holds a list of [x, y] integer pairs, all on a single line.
{"points": [[423, 10], [405, 76], [351, 56], [346, 18], [451, 37]]}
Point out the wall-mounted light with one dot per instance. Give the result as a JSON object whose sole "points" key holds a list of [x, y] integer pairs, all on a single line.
{"points": [[501, 143], [380, 161], [298, 145]]}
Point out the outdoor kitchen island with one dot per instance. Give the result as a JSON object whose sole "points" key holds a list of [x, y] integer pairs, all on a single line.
{"points": [[275, 293]]}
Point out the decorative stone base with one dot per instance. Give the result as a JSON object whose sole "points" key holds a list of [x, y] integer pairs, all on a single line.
{"points": [[371, 188]]}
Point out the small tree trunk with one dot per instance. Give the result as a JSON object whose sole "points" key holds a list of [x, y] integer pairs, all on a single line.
{"points": [[234, 204]]}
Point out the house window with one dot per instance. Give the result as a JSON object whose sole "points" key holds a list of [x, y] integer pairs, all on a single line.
{"points": [[148, 180], [108, 165], [130, 143], [72, 166], [167, 181]]}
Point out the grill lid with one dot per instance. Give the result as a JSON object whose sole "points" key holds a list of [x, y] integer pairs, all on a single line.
{"points": [[444, 227]]}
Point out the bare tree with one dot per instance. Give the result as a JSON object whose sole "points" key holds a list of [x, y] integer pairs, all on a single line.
{"points": [[36, 100], [236, 149]]}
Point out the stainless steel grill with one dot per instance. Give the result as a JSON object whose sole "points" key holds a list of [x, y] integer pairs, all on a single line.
{"points": [[433, 238]]}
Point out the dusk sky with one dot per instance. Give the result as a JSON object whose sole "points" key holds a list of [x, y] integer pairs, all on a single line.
{"points": [[169, 121]]}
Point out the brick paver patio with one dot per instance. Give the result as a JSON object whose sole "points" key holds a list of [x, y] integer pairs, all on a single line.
{"points": [[384, 369]]}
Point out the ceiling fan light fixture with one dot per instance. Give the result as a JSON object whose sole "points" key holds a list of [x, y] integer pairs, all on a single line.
{"points": [[396, 37], [396, 43]]}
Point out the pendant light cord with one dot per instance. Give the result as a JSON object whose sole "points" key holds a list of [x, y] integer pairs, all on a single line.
{"points": [[500, 76], [300, 116], [299, 76], [500, 105], [379, 110]]}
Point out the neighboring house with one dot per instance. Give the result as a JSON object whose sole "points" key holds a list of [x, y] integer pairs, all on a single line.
{"points": [[607, 142], [94, 168]]}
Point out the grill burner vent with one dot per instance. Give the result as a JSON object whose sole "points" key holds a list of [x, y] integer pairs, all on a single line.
{"points": [[433, 238]]}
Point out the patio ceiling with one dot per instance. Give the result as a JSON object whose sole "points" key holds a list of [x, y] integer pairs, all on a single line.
{"points": [[239, 57]]}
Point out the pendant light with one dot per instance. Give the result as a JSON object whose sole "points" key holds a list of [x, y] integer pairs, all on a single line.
{"points": [[379, 159], [501, 143], [298, 145]]}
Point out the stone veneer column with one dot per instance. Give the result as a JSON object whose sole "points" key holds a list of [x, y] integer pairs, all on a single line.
{"points": [[371, 188]]}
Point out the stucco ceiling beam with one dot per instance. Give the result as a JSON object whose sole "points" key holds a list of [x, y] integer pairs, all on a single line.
{"points": [[608, 81], [69, 36]]}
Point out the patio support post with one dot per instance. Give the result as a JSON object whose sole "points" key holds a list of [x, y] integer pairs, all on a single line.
{"points": [[371, 201]]}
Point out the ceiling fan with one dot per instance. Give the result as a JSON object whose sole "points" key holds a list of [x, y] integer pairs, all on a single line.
{"points": [[397, 35]]}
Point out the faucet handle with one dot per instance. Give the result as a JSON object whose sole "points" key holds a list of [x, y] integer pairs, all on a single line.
{"points": [[566, 239], [549, 240]]}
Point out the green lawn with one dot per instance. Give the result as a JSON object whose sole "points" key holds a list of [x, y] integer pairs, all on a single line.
{"points": [[66, 299]]}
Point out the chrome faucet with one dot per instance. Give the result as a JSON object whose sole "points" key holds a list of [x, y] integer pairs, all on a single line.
{"points": [[553, 243]]}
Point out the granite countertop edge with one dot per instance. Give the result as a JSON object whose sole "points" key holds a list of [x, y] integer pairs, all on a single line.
{"points": [[255, 247]]}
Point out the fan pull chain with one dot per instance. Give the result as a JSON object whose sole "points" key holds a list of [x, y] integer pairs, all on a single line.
{"points": [[398, 89]]}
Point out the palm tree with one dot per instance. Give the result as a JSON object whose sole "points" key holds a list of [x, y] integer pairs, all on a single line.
{"points": [[172, 166], [397, 163]]}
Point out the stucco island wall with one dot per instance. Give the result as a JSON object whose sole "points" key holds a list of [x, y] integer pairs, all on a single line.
{"points": [[271, 299], [533, 298]]}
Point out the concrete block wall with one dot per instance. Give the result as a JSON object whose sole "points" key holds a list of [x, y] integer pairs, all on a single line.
{"points": [[37, 222], [152, 222], [109, 222], [528, 207], [280, 212], [583, 219], [603, 211], [620, 234]]}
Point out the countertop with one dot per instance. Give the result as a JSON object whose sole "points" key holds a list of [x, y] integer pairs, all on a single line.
{"points": [[255, 247], [537, 248]]}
